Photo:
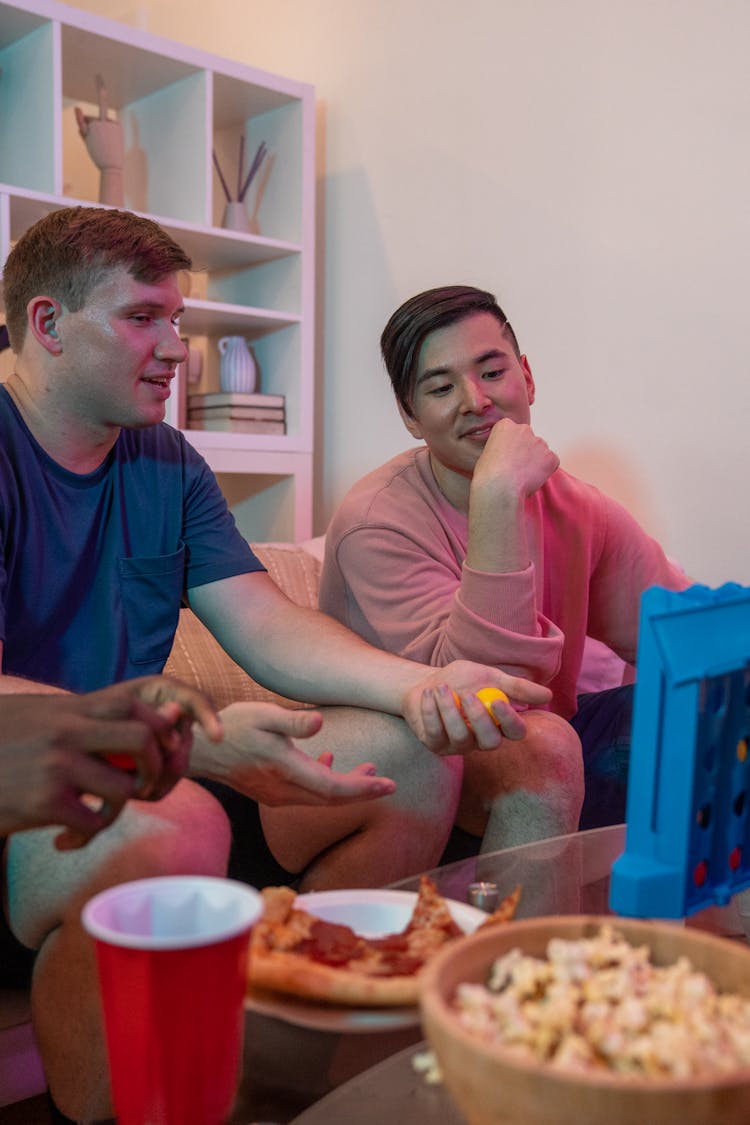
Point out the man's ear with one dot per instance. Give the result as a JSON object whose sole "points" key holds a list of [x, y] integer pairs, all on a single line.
{"points": [[43, 314], [411, 423], [530, 385]]}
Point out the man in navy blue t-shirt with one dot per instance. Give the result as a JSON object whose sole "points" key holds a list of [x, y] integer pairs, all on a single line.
{"points": [[108, 519]]}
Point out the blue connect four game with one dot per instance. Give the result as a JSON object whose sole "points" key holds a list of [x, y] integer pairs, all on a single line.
{"points": [[688, 806]]}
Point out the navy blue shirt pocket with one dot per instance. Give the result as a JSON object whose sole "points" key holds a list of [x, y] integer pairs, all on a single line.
{"points": [[151, 591]]}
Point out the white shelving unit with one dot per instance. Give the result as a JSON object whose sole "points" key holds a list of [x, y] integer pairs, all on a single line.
{"points": [[177, 104]]}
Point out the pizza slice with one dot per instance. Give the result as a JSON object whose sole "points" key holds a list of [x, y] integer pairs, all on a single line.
{"points": [[294, 952]]}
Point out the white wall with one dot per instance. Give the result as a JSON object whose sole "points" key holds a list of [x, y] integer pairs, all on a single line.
{"points": [[588, 161]]}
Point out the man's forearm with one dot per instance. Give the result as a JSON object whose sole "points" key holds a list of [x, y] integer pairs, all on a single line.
{"points": [[299, 652], [309, 656], [497, 537]]}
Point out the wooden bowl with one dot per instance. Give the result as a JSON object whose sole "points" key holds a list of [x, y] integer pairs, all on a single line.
{"points": [[491, 1087]]}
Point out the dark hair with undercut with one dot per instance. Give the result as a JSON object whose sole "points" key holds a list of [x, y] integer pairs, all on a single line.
{"points": [[67, 253], [412, 323]]}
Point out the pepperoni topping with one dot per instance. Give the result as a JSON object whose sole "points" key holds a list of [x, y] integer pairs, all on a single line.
{"points": [[332, 944]]}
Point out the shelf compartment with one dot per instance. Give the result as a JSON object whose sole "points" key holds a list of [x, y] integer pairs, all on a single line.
{"points": [[270, 506], [162, 106], [28, 100], [274, 199]]}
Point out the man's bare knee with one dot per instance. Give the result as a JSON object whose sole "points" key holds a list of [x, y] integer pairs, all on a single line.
{"points": [[557, 755], [412, 823], [185, 833], [547, 765]]}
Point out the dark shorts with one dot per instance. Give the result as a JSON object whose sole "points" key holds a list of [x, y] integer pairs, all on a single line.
{"points": [[250, 858], [603, 723], [16, 960]]}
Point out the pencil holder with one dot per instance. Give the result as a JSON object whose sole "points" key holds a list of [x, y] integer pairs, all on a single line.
{"points": [[236, 218]]}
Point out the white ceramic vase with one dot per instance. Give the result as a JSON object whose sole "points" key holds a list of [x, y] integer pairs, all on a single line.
{"points": [[238, 371]]}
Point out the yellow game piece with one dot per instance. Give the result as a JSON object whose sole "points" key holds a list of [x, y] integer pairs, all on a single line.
{"points": [[487, 695]]}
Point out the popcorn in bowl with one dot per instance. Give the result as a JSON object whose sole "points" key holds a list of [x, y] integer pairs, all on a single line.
{"points": [[598, 1003], [592, 1020]]}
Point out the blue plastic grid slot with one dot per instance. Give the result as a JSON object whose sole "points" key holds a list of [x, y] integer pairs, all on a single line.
{"points": [[687, 843]]}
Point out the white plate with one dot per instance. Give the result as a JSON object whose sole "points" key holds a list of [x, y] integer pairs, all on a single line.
{"points": [[372, 914]]}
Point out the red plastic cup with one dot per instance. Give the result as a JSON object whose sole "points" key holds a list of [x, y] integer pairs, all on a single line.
{"points": [[172, 959]]}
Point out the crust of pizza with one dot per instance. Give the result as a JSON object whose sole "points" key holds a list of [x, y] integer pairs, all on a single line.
{"points": [[311, 980], [281, 959]]}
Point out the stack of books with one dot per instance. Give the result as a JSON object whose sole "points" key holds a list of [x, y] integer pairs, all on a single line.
{"points": [[236, 412]]}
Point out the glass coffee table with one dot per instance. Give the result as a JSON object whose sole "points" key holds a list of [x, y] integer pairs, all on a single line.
{"points": [[358, 1066]]}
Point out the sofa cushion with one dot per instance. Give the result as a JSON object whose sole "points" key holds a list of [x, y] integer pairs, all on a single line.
{"points": [[198, 659]]}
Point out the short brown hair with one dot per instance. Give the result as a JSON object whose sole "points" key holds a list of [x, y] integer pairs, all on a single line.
{"points": [[412, 323], [67, 253]]}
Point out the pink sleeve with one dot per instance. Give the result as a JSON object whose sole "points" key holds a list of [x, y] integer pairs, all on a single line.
{"points": [[415, 599]]}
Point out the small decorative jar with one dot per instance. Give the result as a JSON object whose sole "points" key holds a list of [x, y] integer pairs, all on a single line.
{"points": [[238, 370]]}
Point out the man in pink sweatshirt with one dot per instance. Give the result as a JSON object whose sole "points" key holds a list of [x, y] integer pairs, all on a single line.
{"points": [[477, 545]]}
